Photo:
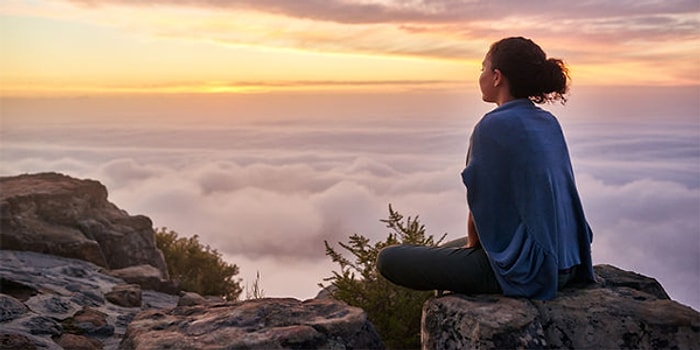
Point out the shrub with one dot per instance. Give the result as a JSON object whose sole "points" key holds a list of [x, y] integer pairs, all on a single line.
{"points": [[394, 311], [197, 267], [255, 290]]}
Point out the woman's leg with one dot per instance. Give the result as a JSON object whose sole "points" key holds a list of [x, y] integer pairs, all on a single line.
{"points": [[461, 270]]}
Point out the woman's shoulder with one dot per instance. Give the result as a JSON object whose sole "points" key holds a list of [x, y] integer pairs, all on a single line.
{"points": [[516, 113], [508, 115]]}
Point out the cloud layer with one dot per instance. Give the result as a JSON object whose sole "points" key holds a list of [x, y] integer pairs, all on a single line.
{"points": [[427, 11], [267, 194]]}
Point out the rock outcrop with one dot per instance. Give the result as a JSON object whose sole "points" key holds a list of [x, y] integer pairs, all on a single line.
{"points": [[624, 310], [55, 214], [51, 302], [254, 324]]}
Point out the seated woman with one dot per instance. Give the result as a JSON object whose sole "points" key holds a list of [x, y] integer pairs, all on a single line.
{"points": [[527, 234]]}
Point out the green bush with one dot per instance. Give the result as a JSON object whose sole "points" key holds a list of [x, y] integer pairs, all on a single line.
{"points": [[197, 267], [394, 311]]}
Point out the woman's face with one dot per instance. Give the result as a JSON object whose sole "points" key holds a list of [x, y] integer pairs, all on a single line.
{"points": [[486, 81]]}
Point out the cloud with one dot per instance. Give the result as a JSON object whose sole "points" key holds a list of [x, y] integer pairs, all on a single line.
{"points": [[284, 210], [424, 11], [639, 31], [606, 43], [269, 194], [648, 226]]}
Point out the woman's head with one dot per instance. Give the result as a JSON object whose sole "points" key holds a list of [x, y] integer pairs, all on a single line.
{"points": [[530, 74]]}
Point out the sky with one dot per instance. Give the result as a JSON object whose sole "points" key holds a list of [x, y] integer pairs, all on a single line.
{"points": [[267, 127], [120, 46]]}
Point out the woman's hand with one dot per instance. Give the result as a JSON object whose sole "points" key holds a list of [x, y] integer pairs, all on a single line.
{"points": [[472, 234]]}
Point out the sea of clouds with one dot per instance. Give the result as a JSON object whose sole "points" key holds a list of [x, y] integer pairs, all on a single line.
{"points": [[268, 194]]}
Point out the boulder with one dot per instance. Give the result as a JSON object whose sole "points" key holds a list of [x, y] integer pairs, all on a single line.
{"points": [[89, 321], [148, 277], [127, 295], [255, 324], [78, 342], [12, 340], [191, 299], [59, 215], [624, 310], [11, 308], [51, 302]]}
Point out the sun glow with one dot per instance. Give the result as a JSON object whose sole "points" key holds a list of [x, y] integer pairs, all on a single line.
{"points": [[116, 47]]}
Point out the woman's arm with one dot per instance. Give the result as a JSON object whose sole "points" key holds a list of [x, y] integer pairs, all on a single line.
{"points": [[472, 234]]}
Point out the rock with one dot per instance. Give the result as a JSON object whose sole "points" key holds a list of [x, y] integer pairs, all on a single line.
{"points": [[43, 325], [59, 215], [54, 306], [255, 324], [10, 308], [89, 321], [17, 290], [16, 341], [190, 299], [146, 276], [78, 342], [127, 295], [624, 311], [56, 302]]}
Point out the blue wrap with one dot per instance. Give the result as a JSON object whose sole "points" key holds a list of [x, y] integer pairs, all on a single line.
{"points": [[522, 195]]}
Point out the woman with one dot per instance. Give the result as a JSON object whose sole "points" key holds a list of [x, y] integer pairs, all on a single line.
{"points": [[527, 235]]}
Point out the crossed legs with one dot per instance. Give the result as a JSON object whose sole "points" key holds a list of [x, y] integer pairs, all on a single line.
{"points": [[449, 267]]}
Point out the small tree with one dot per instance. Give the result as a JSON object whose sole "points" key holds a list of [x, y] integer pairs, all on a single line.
{"points": [[393, 310], [198, 267]]}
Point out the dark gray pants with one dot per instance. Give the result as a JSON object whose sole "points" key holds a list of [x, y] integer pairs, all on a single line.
{"points": [[450, 267]]}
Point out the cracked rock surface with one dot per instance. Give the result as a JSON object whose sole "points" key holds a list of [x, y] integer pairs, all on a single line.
{"points": [[623, 310]]}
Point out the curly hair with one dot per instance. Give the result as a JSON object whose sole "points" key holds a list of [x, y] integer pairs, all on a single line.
{"points": [[528, 70]]}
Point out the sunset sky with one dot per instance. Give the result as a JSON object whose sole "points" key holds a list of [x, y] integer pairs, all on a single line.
{"points": [[82, 47]]}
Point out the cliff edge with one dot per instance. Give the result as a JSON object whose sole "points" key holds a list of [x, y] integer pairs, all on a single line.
{"points": [[623, 310], [59, 215]]}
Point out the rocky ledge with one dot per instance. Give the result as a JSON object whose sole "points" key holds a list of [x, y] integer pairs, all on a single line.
{"points": [[77, 272], [623, 310], [56, 214], [50, 302], [282, 323]]}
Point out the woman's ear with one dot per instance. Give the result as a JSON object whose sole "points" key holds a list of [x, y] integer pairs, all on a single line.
{"points": [[497, 78]]}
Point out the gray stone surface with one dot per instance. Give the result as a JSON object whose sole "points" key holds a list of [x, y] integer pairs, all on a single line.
{"points": [[49, 300], [11, 308], [127, 295], [146, 276], [254, 324], [191, 299], [624, 310]]}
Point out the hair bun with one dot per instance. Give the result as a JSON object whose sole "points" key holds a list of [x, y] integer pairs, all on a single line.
{"points": [[530, 73], [555, 76]]}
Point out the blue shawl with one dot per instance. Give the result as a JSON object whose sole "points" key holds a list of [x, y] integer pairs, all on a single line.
{"points": [[522, 195]]}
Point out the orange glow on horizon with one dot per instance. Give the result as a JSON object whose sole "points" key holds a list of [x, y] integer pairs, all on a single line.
{"points": [[59, 48]]}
